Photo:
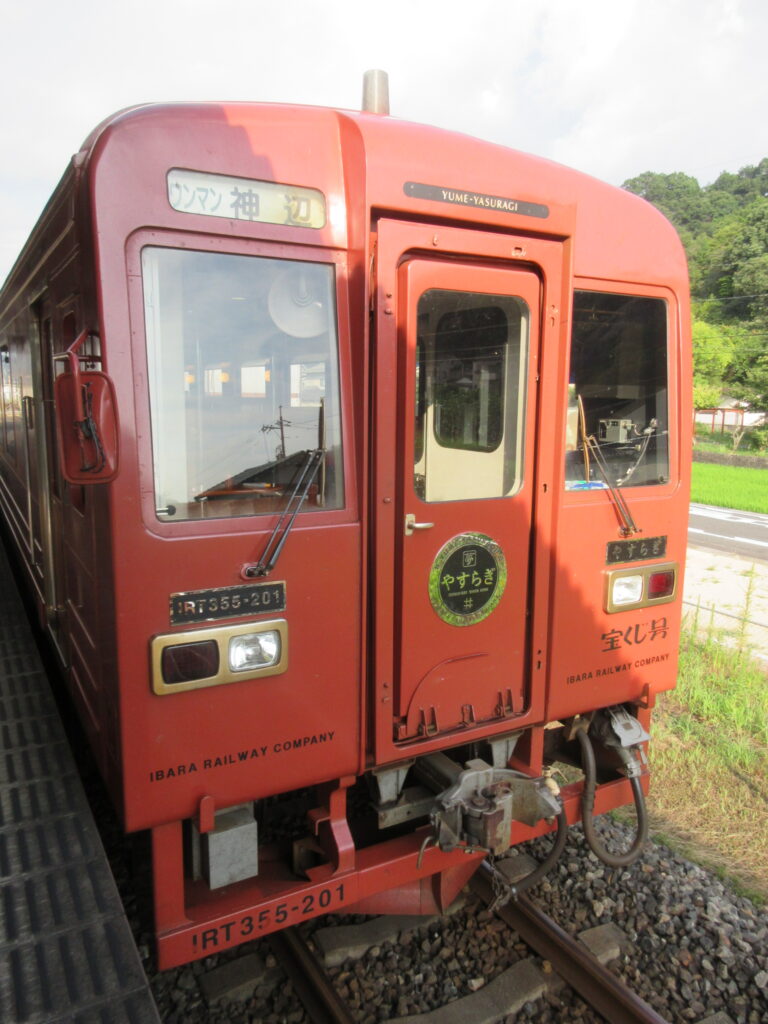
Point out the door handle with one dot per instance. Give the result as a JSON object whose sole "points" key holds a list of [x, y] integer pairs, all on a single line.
{"points": [[411, 524]]}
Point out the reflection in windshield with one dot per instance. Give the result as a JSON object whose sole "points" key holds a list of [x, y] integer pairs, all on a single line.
{"points": [[243, 372]]}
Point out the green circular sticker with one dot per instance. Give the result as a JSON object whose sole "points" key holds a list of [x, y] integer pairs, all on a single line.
{"points": [[467, 579]]}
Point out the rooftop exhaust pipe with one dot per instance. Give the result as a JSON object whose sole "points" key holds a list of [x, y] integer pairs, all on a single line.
{"points": [[376, 92]]}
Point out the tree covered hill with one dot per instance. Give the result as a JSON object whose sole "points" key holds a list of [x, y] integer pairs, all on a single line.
{"points": [[724, 228]]}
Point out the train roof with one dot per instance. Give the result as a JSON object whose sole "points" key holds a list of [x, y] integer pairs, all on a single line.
{"points": [[354, 156]]}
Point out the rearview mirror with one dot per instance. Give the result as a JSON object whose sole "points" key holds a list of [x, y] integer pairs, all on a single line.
{"points": [[86, 419]]}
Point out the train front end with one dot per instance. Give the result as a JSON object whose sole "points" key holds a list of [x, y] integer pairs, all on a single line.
{"points": [[398, 524]]}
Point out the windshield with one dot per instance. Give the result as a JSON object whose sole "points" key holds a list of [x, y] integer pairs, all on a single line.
{"points": [[243, 382], [617, 433]]}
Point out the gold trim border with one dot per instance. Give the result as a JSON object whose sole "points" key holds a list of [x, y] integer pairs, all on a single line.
{"points": [[645, 571], [221, 635]]}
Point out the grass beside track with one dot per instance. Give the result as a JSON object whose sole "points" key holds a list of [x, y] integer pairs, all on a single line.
{"points": [[730, 487], [709, 746], [709, 760]]}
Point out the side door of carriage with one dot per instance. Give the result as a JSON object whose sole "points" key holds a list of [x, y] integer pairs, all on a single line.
{"points": [[457, 354], [50, 481]]}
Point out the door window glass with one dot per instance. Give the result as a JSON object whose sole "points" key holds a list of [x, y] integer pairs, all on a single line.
{"points": [[617, 404], [471, 357], [243, 382]]}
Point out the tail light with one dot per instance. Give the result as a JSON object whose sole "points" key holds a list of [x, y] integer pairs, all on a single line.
{"points": [[640, 586], [661, 584], [184, 663]]}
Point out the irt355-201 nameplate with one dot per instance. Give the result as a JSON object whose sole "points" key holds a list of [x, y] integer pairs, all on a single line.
{"points": [[227, 603]]}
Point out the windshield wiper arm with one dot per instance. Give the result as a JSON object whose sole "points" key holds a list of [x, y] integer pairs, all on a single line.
{"points": [[591, 447], [625, 516], [283, 526]]}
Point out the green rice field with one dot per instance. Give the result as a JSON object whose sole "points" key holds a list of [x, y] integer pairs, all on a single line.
{"points": [[730, 487]]}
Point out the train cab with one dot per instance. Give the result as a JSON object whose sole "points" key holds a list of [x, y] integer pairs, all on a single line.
{"points": [[347, 458]]}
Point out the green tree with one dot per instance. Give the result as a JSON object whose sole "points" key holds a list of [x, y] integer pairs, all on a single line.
{"points": [[754, 386], [750, 183], [731, 265], [724, 227], [678, 196], [747, 376], [750, 283], [713, 348], [706, 396]]}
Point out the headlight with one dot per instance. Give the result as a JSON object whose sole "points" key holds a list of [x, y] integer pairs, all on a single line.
{"points": [[254, 650], [242, 653], [627, 590]]}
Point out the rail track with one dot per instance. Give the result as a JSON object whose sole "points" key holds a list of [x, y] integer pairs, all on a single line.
{"points": [[605, 993], [311, 981]]}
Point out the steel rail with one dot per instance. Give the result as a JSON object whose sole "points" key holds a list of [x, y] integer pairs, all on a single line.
{"points": [[313, 986], [573, 962]]}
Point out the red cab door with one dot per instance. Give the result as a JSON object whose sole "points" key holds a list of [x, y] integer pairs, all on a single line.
{"points": [[464, 358]]}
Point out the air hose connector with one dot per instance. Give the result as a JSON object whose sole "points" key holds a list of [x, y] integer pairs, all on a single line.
{"points": [[618, 730]]}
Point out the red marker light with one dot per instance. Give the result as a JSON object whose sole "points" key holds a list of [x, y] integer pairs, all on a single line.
{"points": [[184, 663], [661, 584]]}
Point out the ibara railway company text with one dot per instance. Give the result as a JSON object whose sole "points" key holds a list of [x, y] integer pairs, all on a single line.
{"points": [[238, 757]]}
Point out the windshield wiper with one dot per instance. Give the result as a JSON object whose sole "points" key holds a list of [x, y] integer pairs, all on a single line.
{"points": [[265, 565], [591, 447], [314, 461]]}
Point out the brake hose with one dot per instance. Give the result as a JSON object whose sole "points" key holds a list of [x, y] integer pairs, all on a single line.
{"points": [[614, 860], [549, 861]]}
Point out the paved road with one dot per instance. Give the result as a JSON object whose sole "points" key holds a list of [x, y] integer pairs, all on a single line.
{"points": [[724, 529]]}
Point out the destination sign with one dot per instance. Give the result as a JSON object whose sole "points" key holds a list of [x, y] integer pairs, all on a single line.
{"points": [[479, 200], [245, 199]]}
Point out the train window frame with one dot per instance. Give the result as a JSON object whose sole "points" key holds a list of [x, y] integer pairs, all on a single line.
{"points": [[441, 461], [668, 426], [234, 460], [69, 318], [6, 399], [13, 391], [236, 245]]}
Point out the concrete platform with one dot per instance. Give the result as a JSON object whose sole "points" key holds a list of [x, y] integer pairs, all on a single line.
{"points": [[67, 953]]}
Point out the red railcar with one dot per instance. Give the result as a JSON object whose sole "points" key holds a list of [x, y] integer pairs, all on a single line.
{"points": [[348, 461]]}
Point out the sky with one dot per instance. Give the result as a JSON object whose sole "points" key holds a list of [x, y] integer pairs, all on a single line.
{"points": [[611, 87]]}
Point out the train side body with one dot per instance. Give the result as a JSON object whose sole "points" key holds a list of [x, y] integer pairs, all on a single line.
{"points": [[467, 368]]}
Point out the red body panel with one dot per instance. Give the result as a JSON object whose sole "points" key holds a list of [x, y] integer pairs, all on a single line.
{"points": [[374, 675]]}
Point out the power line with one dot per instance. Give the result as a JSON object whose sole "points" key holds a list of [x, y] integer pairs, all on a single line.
{"points": [[729, 298]]}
